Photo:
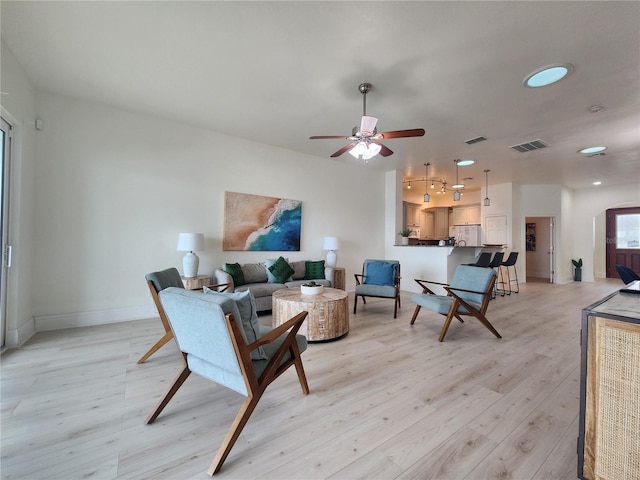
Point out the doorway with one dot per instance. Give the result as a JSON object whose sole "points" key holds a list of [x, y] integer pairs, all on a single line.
{"points": [[5, 141], [539, 249], [623, 239]]}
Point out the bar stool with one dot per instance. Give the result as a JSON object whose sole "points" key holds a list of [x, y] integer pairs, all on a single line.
{"points": [[496, 262], [483, 260], [510, 262]]}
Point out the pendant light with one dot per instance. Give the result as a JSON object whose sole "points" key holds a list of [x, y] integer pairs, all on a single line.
{"points": [[457, 186], [426, 182], [487, 202]]}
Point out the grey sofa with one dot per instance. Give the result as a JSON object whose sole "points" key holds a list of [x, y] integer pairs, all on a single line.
{"points": [[255, 275]]}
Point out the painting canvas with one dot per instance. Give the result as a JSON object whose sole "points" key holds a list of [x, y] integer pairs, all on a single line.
{"points": [[254, 222], [531, 237]]}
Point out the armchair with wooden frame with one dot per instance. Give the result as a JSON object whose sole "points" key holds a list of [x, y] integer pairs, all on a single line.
{"points": [[379, 278], [211, 335], [158, 281], [468, 294]]}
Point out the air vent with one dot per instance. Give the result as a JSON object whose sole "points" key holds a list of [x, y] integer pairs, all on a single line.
{"points": [[529, 146], [471, 141]]}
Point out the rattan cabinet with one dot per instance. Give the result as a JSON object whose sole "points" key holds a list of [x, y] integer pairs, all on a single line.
{"points": [[609, 436]]}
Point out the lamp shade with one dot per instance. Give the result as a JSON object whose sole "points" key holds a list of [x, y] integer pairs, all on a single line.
{"points": [[190, 242], [330, 243]]}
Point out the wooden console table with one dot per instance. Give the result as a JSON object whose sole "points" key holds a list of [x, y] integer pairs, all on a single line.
{"points": [[608, 446], [328, 317]]}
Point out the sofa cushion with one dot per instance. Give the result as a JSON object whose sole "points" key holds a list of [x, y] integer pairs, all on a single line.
{"points": [[260, 290], [248, 318], [254, 273], [314, 270], [380, 273], [235, 270], [299, 270], [281, 270]]}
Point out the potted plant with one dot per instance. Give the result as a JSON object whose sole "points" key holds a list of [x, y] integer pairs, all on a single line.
{"points": [[404, 236], [577, 271]]}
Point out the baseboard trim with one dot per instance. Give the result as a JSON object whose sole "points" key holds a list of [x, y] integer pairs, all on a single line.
{"points": [[17, 336], [86, 319]]}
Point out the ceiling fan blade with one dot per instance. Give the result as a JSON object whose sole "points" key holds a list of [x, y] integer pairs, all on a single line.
{"points": [[324, 137], [368, 124], [384, 151], [346, 148], [415, 132]]}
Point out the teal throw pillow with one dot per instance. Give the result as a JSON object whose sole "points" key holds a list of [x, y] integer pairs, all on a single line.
{"points": [[380, 273], [235, 270], [314, 270], [281, 270], [248, 318]]}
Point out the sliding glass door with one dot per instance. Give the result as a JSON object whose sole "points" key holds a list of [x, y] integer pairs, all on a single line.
{"points": [[5, 140]]}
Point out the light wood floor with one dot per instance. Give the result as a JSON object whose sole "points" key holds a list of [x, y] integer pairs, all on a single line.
{"points": [[387, 401]]}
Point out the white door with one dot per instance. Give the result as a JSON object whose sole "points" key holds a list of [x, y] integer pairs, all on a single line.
{"points": [[5, 140]]}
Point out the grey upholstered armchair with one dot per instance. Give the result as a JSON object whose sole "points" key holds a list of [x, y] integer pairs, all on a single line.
{"points": [[221, 339], [468, 294]]}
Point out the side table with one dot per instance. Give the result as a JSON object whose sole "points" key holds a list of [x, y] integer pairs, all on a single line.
{"points": [[338, 278], [196, 283]]}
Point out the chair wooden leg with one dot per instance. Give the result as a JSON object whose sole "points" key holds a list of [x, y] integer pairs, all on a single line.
{"points": [[395, 307], [487, 324], [415, 314], [355, 304], [447, 322], [168, 335], [177, 383], [229, 441], [302, 378]]}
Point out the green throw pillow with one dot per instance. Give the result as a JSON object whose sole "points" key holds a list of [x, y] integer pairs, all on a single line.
{"points": [[235, 270], [314, 270], [281, 270]]}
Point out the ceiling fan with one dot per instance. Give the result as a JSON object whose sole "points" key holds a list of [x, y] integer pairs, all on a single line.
{"points": [[365, 139]]}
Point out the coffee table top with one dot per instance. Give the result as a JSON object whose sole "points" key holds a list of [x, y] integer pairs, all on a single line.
{"points": [[294, 295]]}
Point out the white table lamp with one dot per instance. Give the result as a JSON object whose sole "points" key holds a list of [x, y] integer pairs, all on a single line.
{"points": [[190, 242], [331, 244]]}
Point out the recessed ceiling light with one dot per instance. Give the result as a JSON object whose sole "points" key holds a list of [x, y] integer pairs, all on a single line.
{"points": [[547, 75], [465, 163], [589, 150], [597, 183], [458, 185]]}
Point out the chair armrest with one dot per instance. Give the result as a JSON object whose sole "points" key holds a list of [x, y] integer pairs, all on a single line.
{"points": [[426, 289], [356, 275], [279, 330], [452, 289], [222, 277], [218, 287]]}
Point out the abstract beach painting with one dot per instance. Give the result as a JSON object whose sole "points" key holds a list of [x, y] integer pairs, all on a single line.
{"points": [[254, 222]]}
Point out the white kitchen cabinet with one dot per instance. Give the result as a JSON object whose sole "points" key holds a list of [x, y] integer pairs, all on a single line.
{"points": [[428, 222], [412, 215], [467, 215]]}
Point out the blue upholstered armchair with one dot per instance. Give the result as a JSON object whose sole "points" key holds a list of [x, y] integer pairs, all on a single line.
{"points": [[379, 278], [468, 294], [221, 339]]}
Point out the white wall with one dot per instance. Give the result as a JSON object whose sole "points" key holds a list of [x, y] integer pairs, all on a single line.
{"points": [[18, 108], [115, 188]]}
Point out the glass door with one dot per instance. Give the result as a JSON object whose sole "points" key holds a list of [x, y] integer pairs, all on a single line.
{"points": [[5, 140]]}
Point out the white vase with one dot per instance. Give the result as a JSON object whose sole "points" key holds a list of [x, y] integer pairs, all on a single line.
{"points": [[404, 240]]}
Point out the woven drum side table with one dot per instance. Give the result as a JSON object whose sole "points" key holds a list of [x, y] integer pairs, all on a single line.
{"points": [[328, 317]]}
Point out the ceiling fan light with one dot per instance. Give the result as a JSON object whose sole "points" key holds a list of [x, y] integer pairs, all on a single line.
{"points": [[358, 149], [368, 125], [371, 150]]}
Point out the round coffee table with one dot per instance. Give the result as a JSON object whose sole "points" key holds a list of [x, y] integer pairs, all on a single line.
{"points": [[328, 317]]}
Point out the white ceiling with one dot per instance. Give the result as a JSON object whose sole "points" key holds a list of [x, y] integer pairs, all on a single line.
{"points": [[279, 72]]}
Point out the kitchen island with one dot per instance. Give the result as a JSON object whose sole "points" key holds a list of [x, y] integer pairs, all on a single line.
{"points": [[433, 263]]}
